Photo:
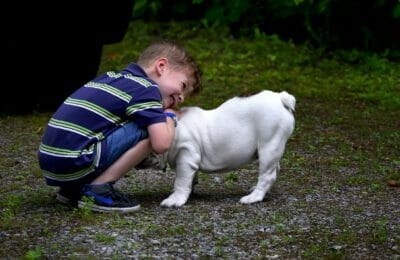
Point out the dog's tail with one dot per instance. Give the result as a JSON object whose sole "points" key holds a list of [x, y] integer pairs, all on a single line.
{"points": [[288, 101]]}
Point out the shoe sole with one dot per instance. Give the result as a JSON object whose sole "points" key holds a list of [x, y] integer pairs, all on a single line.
{"points": [[102, 209]]}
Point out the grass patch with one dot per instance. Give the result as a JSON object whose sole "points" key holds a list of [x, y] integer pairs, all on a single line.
{"points": [[267, 63]]}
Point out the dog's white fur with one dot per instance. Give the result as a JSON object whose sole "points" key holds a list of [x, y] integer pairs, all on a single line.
{"points": [[231, 136]]}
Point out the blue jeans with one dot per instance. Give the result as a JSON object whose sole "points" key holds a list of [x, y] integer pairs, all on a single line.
{"points": [[113, 146], [118, 142]]}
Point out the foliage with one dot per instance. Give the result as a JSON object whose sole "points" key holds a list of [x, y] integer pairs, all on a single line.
{"points": [[369, 25], [35, 254], [267, 62], [85, 212]]}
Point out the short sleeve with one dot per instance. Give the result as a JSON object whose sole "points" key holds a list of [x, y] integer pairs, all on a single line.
{"points": [[145, 107]]}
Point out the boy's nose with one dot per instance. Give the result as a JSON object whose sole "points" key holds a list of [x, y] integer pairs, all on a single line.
{"points": [[181, 98]]}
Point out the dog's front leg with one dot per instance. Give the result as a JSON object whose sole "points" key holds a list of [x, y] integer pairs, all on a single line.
{"points": [[185, 174]]}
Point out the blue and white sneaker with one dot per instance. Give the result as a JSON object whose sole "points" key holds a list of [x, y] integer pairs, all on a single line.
{"points": [[107, 199]]}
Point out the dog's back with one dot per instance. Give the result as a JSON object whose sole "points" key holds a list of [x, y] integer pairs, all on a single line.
{"points": [[239, 124]]}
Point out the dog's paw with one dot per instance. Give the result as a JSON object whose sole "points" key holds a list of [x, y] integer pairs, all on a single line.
{"points": [[252, 197], [174, 200]]}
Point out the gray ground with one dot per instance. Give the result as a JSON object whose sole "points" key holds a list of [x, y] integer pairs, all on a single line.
{"points": [[331, 200]]}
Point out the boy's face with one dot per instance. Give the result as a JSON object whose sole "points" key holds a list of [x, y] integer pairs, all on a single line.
{"points": [[174, 86]]}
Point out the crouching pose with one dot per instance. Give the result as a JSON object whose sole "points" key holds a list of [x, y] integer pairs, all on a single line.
{"points": [[225, 138], [112, 123]]}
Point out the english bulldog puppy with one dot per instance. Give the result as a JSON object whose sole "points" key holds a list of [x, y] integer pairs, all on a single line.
{"points": [[228, 137]]}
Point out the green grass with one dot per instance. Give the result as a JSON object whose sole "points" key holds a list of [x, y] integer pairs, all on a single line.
{"points": [[346, 145], [240, 66]]}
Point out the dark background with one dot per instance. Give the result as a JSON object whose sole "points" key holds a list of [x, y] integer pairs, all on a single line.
{"points": [[370, 25], [53, 48]]}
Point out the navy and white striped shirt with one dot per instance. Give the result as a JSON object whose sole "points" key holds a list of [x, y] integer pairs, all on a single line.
{"points": [[71, 146]]}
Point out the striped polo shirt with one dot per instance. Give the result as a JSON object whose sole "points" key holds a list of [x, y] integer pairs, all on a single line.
{"points": [[72, 143]]}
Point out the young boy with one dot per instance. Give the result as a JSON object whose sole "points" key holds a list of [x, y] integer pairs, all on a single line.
{"points": [[109, 125]]}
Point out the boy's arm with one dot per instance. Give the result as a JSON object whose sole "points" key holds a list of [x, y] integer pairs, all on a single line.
{"points": [[161, 135]]}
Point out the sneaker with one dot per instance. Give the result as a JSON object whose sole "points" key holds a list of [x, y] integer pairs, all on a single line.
{"points": [[69, 195], [107, 199]]}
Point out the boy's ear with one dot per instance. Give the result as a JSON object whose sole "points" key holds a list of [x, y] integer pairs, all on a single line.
{"points": [[161, 65]]}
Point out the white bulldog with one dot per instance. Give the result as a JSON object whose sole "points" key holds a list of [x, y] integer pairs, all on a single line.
{"points": [[228, 137]]}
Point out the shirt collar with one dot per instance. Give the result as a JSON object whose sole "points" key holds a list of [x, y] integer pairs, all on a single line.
{"points": [[136, 70]]}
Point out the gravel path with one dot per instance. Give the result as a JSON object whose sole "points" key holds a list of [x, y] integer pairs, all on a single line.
{"points": [[331, 200]]}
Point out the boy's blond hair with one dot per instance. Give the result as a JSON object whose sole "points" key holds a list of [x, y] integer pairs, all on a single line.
{"points": [[178, 58]]}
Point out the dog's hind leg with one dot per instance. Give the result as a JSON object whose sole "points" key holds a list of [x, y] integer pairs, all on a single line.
{"points": [[265, 181], [268, 171]]}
